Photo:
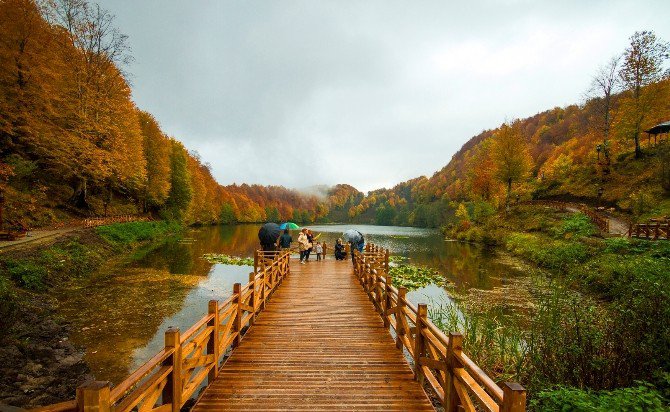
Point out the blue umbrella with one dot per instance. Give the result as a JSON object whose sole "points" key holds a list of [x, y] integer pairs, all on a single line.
{"points": [[289, 225]]}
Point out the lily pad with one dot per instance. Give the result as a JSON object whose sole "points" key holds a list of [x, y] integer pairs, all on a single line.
{"points": [[222, 259]]}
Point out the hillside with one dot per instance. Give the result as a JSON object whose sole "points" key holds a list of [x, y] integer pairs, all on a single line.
{"points": [[569, 159], [73, 143]]}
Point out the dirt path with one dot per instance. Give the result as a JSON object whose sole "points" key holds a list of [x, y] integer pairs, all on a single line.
{"points": [[33, 237]]}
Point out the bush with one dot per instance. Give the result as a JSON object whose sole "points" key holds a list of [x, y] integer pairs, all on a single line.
{"points": [[125, 234], [8, 306], [28, 274], [577, 224], [643, 397], [558, 255]]}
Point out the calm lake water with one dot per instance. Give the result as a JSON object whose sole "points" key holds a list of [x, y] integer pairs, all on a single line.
{"points": [[120, 314]]}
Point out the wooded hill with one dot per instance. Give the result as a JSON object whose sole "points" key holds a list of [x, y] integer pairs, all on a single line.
{"points": [[73, 143], [596, 152]]}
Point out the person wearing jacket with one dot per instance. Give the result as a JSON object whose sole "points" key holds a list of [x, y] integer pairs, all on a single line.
{"points": [[303, 245]]}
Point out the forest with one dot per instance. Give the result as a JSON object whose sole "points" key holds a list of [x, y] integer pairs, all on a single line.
{"points": [[73, 143]]}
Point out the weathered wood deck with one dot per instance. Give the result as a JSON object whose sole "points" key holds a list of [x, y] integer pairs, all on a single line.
{"points": [[319, 345], [307, 337]]}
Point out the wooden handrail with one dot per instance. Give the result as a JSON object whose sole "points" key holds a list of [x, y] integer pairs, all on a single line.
{"points": [[171, 377], [602, 222], [107, 220], [438, 359], [657, 230]]}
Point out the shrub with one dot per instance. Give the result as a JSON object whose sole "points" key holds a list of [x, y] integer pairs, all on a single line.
{"points": [[642, 397], [577, 224], [554, 254], [8, 306], [124, 234], [28, 274]]}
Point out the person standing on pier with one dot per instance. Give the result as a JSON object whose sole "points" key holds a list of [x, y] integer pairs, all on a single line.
{"points": [[285, 240], [303, 245]]}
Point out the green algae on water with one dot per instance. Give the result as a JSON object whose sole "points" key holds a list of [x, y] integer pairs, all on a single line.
{"points": [[223, 259]]}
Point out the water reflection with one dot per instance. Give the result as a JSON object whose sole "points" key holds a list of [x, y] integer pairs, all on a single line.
{"points": [[120, 314]]}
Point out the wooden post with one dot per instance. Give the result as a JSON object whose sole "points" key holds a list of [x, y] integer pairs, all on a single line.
{"points": [[237, 325], [454, 347], [213, 344], [514, 398], [252, 298], [419, 345], [400, 314], [387, 300], [173, 388], [386, 261], [255, 261], [94, 397], [263, 296]]}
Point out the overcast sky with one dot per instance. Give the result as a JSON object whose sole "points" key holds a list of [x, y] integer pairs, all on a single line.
{"points": [[369, 93]]}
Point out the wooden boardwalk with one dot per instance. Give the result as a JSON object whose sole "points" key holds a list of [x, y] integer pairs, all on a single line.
{"points": [[319, 345], [307, 337]]}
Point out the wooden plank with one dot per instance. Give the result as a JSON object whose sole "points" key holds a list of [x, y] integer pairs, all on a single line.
{"points": [[310, 350]]}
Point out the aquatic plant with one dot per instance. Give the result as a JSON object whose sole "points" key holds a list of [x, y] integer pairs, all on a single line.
{"points": [[396, 258], [496, 346], [415, 277], [223, 259]]}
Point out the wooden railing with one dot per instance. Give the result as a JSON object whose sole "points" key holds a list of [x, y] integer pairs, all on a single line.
{"points": [[651, 231], [192, 359], [438, 359], [602, 222], [108, 220]]}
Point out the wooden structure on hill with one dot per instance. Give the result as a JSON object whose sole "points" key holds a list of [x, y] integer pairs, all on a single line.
{"points": [[321, 341]]}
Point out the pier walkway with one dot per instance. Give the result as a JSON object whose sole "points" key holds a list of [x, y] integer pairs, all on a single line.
{"points": [[324, 335]]}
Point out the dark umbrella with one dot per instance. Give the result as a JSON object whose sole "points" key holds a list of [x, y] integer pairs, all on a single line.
{"points": [[269, 233], [353, 236]]}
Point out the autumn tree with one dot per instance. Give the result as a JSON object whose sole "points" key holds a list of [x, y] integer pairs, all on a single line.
{"points": [[641, 70], [481, 170], [511, 156], [605, 84]]}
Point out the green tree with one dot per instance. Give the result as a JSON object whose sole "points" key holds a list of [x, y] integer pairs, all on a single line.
{"points": [[181, 192], [272, 214], [642, 68], [227, 215], [385, 215]]}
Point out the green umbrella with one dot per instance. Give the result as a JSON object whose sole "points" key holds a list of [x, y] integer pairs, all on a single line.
{"points": [[289, 225]]}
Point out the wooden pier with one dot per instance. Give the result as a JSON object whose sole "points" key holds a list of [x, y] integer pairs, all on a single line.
{"points": [[308, 337]]}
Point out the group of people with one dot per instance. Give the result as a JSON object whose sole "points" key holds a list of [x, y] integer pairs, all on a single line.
{"points": [[307, 244]]}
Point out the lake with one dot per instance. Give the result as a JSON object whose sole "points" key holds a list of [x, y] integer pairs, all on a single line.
{"points": [[120, 314]]}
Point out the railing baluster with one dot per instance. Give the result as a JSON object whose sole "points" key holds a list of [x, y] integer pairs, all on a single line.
{"points": [[419, 345], [94, 397], [173, 388], [237, 325], [514, 398], [252, 298], [213, 344], [399, 318], [454, 347]]}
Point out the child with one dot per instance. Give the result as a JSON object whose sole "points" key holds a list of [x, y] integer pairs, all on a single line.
{"points": [[319, 251]]}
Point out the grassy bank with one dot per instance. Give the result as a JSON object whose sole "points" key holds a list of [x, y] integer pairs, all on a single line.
{"points": [[44, 367], [599, 331]]}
